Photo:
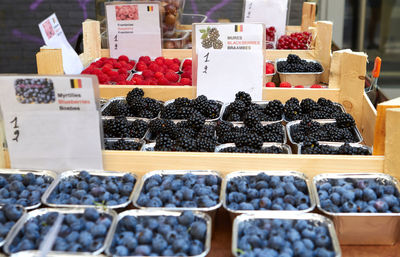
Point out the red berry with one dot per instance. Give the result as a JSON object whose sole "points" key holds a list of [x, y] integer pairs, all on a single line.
{"points": [[158, 75], [169, 62], [172, 76], [132, 63], [152, 82], [285, 84], [299, 86], [186, 81], [141, 66], [117, 66], [123, 71], [186, 63], [177, 61], [316, 86], [160, 60], [163, 81], [270, 84], [123, 58], [145, 59], [174, 67], [154, 67], [269, 68], [148, 74], [187, 75]]}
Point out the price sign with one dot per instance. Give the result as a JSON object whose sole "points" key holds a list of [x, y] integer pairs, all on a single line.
{"points": [[134, 29], [272, 13], [54, 37], [52, 122], [229, 58]]}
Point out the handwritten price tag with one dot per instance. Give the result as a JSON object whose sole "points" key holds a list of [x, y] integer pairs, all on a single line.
{"points": [[230, 58]]}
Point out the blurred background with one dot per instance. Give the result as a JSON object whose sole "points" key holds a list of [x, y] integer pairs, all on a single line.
{"points": [[362, 25]]}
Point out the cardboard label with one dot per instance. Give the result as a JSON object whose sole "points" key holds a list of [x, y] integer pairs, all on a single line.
{"points": [[229, 58], [54, 37], [134, 29], [52, 122], [273, 13]]}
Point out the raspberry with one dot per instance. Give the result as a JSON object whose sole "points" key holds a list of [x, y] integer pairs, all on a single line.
{"points": [[113, 74], [186, 63], [186, 81], [269, 68], [152, 81], [163, 81], [171, 76], [160, 60], [103, 78], [132, 63], [117, 66], [154, 67], [299, 86], [187, 75], [174, 67], [177, 61], [97, 72], [270, 84], [88, 71], [158, 75], [145, 59], [105, 70], [285, 84], [148, 74], [169, 62], [109, 65], [123, 71], [141, 66], [316, 86]]}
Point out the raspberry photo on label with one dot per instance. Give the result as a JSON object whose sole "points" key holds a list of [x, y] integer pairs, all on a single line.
{"points": [[39, 91], [126, 12]]}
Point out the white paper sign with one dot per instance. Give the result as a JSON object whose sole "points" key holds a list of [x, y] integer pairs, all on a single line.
{"points": [[229, 58], [272, 13], [54, 37], [51, 122], [134, 29]]}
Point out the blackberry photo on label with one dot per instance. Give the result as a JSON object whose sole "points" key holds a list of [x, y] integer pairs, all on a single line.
{"points": [[37, 91]]}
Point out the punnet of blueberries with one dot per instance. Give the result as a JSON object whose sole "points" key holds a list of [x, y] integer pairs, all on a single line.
{"points": [[88, 189], [180, 191], [284, 237], [343, 130], [266, 192], [79, 232], [135, 105], [321, 109], [243, 109], [23, 189], [294, 64], [163, 235], [361, 195], [9, 215], [39, 91]]}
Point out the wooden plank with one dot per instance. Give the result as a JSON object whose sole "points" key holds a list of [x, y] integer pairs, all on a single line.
{"points": [[91, 40], [348, 71], [380, 127], [323, 42], [367, 126], [392, 141], [49, 62], [308, 15], [142, 162]]}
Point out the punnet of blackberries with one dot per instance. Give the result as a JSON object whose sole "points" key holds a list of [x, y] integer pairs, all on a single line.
{"points": [[192, 135], [23, 189], [141, 235], [243, 108], [180, 191], [246, 149], [343, 130], [294, 64], [265, 192], [134, 105], [9, 215], [38, 91], [228, 132], [121, 127], [122, 145], [284, 237], [321, 109], [79, 232], [88, 189], [182, 108], [358, 195], [315, 147]]}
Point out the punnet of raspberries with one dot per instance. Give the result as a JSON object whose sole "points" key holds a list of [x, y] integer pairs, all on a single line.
{"points": [[295, 41], [160, 71]]}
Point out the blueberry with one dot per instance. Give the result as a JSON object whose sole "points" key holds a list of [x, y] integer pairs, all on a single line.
{"points": [[72, 237], [335, 198], [128, 178], [299, 248], [196, 248], [236, 197], [98, 230], [276, 242], [391, 200], [246, 206], [12, 212], [265, 203], [278, 192], [293, 235], [381, 206], [142, 250], [121, 250], [85, 238], [349, 207], [322, 252], [369, 194], [198, 230], [145, 237], [323, 240], [155, 202], [180, 245], [186, 218]]}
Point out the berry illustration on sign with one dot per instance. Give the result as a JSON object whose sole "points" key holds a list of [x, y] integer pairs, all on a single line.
{"points": [[210, 38]]}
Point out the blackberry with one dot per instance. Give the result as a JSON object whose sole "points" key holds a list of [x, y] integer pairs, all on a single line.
{"points": [[123, 145], [213, 34], [211, 111], [293, 63], [154, 108], [206, 144], [138, 128], [345, 120], [251, 140], [292, 110], [169, 112], [243, 96], [188, 144], [251, 119], [324, 102], [187, 132], [186, 112], [218, 44], [319, 115], [229, 137], [234, 117], [200, 102], [223, 127], [272, 150], [349, 150], [196, 121], [308, 105], [293, 59], [136, 105], [182, 102], [133, 94], [274, 110], [117, 127], [238, 106], [207, 43], [208, 131], [273, 133], [170, 128], [164, 143], [146, 114], [118, 108], [155, 126]]}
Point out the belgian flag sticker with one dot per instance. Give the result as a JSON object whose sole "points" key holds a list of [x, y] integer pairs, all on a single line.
{"points": [[76, 83], [150, 8], [238, 28]]}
